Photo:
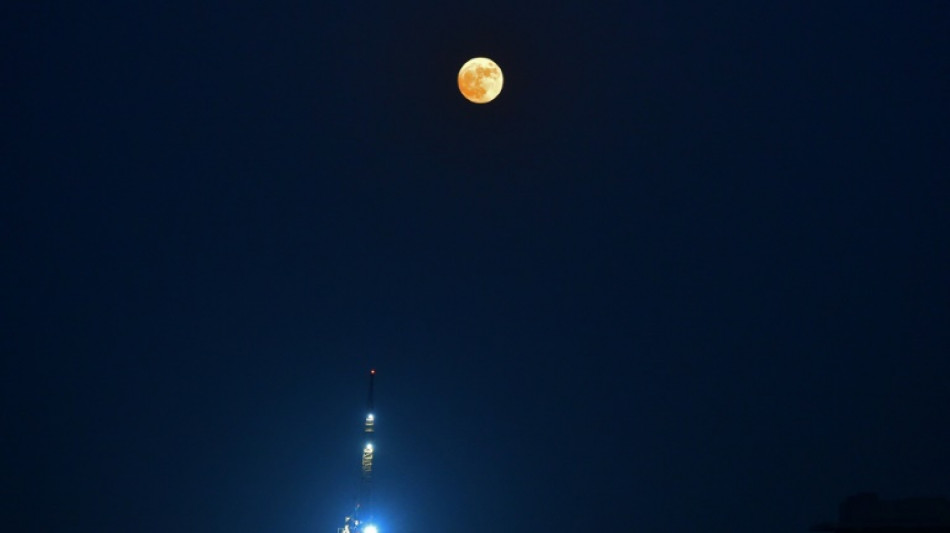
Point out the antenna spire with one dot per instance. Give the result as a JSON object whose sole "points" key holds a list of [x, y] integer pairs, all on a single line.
{"points": [[372, 374]]}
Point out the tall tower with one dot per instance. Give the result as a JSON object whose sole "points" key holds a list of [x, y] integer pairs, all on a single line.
{"points": [[361, 519], [366, 478]]}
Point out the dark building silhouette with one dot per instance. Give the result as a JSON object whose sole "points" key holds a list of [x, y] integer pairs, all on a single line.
{"points": [[866, 512]]}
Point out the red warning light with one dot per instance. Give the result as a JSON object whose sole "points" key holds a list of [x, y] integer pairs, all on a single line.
{"points": [[372, 371]]}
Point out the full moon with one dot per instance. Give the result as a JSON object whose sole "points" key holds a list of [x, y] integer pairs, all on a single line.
{"points": [[480, 80]]}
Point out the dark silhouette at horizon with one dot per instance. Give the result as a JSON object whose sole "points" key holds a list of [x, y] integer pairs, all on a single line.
{"points": [[868, 512]]}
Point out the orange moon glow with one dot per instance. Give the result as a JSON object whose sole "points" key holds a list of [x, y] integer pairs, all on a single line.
{"points": [[480, 80]]}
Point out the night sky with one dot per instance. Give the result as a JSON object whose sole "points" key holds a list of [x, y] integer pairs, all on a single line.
{"points": [[689, 272]]}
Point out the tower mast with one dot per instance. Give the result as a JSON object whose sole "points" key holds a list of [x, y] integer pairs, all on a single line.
{"points": [[366, 478], [361, 520]]}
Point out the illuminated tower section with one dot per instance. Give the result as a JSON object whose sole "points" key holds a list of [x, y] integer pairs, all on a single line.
{"points": [[361, 520], [366, 484]]}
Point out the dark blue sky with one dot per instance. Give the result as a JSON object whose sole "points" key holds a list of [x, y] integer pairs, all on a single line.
{"points": [[688, 273]]}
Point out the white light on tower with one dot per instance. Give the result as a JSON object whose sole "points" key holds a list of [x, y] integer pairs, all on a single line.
{"points": [[370, 529]]}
